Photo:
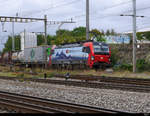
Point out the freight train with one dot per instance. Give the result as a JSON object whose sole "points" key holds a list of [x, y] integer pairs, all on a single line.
{"points": [[87, 54]]}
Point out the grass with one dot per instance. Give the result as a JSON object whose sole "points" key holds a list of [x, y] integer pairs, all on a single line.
{"points": [[5, 71], [143, 75]]}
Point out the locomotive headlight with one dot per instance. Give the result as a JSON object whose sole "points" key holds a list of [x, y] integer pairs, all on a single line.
{"points": [[102, 58], [47, 58], [92, 58], [109, 59]]}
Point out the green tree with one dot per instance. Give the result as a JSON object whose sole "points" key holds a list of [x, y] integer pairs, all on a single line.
{"points": [[143, 35], [17, 43], [40, 39], [61, 32], [79, 32], [102, 31], [8, 44], [98, 35], [66, 36], [64, 39], [112, 32], [51, 40], [107, 32], [96, 32]]}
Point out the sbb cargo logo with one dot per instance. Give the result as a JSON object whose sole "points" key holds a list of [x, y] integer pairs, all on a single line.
{"points": [[67, 51]]}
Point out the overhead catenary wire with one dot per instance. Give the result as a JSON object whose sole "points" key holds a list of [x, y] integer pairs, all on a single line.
{"points": [[59, 5], [115, 5], [109, 15], [100, 17], [106, 8], [138, 9], [4, 2]]}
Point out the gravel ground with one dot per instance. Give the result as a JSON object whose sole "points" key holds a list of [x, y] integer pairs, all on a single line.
{"points": [[4, 111], [111, 99]]}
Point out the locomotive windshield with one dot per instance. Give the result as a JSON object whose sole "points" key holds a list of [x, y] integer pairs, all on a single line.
{"points": [[101, 50]]}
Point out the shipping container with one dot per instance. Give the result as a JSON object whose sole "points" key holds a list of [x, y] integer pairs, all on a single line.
{"points": [[21, 56], [14, 56], [35, 54]]}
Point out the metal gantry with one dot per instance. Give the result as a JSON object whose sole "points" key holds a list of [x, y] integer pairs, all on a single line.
{"points": [[22, 20], [60, 23]]}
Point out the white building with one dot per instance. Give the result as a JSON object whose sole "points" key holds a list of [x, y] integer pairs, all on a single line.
{"points": [[28, 40], [117, 39]]}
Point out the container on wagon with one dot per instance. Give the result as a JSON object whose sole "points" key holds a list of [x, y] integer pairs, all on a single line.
{"points": [[35, 54]]}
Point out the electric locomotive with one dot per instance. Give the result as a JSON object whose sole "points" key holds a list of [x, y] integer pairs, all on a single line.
{"points": [[89, 53]]}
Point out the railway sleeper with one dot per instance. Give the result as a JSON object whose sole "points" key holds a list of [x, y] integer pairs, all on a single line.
{"points": [[69, 107], [23, 107]]}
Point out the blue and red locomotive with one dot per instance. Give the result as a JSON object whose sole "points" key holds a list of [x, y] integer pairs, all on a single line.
{"points": [[89, 54]]}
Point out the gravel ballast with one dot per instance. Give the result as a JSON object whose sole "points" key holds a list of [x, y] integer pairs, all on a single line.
{"points": [[134, 102]]}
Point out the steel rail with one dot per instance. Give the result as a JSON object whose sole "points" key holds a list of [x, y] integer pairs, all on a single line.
{"points": [[89, 84], [31, 104], [123, 80]]}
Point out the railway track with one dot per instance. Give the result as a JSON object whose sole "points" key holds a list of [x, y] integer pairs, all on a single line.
{"points": [[90, 83], [27, 104], [122, 80]]}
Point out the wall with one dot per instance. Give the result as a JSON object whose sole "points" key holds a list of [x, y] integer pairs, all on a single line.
{"points": [[125, 52]]}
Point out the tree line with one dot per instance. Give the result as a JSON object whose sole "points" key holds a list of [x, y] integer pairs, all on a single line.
{"points": [[66, 36], [62, 36]]}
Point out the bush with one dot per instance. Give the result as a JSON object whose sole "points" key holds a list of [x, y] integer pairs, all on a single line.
{"points": [[142, 65], [51, 75], [126, 67], [20, 75], [114, 58], [123, 67]]}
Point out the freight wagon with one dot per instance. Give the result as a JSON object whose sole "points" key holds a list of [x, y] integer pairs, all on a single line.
{"points": [[6, 58], [35, 55], [32, 55]]}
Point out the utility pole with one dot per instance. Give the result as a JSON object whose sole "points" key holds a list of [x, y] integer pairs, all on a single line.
{"points": [[45, 28], [134, 36], [87, 20], [13, 43], [45, 25], [24, 39], [13, 33]]}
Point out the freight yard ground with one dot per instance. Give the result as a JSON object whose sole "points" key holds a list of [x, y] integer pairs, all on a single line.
{"points": [[18, 72], [134, 102]]}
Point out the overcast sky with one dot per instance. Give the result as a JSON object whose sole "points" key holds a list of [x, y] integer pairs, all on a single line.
{"points": [[104, 14]]}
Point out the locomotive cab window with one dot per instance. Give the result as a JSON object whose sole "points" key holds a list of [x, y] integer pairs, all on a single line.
{"points": [[86, 49], [101, 49]]}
